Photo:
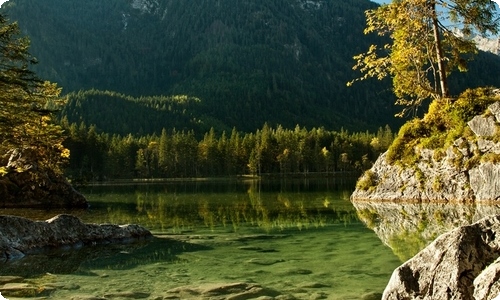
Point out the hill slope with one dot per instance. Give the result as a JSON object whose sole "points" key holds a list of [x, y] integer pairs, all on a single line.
{"points": [[249, 61]]}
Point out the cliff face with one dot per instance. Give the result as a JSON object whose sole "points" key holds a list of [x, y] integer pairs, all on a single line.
{"points": [[467, 171]]}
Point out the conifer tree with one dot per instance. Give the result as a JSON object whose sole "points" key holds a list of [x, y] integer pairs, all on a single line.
{"points": [[27, 105]]}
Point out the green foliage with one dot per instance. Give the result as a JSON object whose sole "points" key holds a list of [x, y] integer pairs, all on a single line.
{"points": [[120, 114], [441, 126], [367, 182], [246, 59], [27, 105], [273, 151], [423, 51]]}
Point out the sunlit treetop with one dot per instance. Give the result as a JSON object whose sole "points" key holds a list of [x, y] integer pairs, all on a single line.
{"points": [[27, 105], [424, 45]]}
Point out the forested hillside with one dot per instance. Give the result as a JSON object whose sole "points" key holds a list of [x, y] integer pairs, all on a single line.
{"points": [[246, 62]]}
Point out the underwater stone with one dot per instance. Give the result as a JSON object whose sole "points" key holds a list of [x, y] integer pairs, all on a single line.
{"points": [[21, 236]]}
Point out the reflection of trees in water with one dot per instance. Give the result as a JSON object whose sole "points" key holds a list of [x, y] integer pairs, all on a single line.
{"points": [[407, 228], [277, 210]]}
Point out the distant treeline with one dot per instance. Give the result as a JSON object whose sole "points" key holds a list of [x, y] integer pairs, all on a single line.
{"points": [[280, 151]]}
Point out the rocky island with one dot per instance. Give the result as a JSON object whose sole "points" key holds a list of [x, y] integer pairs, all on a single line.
{"points": [[424, 164], [451, 155]]}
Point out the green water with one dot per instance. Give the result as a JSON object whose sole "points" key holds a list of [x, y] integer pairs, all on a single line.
{"points": [[300, 238]]}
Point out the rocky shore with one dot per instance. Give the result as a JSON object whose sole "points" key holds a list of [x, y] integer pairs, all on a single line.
{"points": [[35, 187], [462, 264], [418, 195], [20, 237], [467, 171]]}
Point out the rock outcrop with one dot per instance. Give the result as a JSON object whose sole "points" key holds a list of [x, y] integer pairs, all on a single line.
{"points": [[467, 171], [461, 264], [20, 236], [35, 187]]}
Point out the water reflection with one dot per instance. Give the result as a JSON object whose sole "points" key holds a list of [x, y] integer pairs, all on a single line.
{"points": [[302, 238], [229, 207], [407, 228]]}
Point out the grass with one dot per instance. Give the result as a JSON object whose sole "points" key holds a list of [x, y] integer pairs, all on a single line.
{"points": [[444, 123]]}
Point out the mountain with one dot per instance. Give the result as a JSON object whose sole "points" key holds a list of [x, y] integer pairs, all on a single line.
{"points": [[247, 61]]}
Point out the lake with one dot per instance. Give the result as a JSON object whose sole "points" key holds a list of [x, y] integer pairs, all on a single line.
{"points": [[300, 239]]}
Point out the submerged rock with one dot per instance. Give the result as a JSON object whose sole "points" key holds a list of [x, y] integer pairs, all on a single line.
{"points": [[460, 264], [219, 291], [20, 236]]}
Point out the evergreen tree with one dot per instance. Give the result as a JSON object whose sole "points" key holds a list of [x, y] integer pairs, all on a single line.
{"points": [[27, 106]]}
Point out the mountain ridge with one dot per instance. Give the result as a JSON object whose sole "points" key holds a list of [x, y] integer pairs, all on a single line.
{"points": [[250, 62]]}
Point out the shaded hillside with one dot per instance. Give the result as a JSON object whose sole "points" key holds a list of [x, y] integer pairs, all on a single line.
{"points": [[249, 61], [120, 114]]}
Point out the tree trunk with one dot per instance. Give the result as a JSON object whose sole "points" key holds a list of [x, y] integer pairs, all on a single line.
{"points": [[443, 82]]}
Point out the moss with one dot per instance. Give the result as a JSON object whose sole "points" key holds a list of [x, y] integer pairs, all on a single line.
{"points": [[491, 157], [437, 184], [369, 216], [439, 154], [473, 161], [439, 217], [441, 126], [368, 181], [420, 176], [402, 149]]}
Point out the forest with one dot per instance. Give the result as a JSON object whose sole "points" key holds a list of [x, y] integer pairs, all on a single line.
{"points": [[215, 88], [284, 62], [181, 154]]}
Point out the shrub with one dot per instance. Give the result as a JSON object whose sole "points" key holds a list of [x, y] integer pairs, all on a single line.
{"points": [[441, 126], [367, 182]]}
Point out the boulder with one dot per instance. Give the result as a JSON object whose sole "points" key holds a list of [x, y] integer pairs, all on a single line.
{"points": [[20, 236], [467, 171], [27, 185], [460, 264]]}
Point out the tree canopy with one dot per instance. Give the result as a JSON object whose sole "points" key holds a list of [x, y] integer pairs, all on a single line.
{"points": [[27, 105], [429, 39]]}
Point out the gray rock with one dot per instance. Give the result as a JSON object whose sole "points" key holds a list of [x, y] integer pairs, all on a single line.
{"points": [[36, 187], [128, 295], [485, 181], [495, 107], [451, 266], [264, 261], [20, 236], [483, 126], [457, 174], [9, 279], [486, 285]]}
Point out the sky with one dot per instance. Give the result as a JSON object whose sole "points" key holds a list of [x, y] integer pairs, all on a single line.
{"points": [[2, 2]]}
